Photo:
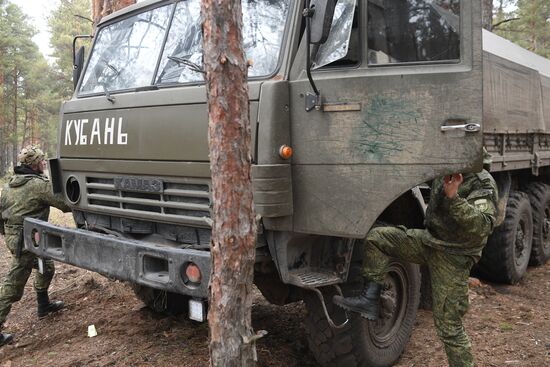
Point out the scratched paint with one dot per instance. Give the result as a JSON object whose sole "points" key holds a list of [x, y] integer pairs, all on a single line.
{"points": [[389, 127]]}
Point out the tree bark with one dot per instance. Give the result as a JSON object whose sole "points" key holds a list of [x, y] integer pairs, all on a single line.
{"points": [[487, 14], [101, 8], [25, 123], [2, 124], [234, 227], [14, 137]]}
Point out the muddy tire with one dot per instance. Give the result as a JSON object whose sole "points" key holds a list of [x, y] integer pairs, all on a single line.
{"points": [[506, 255], [362, 342], [161, 301], [539, 195]]}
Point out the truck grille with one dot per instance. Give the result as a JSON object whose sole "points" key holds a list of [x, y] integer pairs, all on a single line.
{"points": [[187, 202]]}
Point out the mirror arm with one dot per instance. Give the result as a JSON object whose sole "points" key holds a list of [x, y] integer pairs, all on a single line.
{"points": [[74, 45], [312, 101]]}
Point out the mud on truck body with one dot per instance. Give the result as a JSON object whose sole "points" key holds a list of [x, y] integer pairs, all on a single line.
{"points": [[389, 100]]}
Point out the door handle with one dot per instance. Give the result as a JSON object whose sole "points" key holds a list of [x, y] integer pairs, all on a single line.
{"points": [[469, 128]]}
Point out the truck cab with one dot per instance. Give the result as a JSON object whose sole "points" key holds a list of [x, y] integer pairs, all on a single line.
{"points": [[391, 99]]}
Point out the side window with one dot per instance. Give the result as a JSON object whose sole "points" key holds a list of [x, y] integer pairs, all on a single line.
{"points": [[401, 31], [343, 47]]}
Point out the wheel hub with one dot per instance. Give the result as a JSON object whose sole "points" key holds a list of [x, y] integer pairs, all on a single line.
{"points": [[388, 302], [393, 302]]}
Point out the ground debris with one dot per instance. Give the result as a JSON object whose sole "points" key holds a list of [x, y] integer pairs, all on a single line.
{"points": [[508, 326]]}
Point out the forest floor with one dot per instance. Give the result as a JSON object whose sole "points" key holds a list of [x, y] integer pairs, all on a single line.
{"points": [[508, 325]]}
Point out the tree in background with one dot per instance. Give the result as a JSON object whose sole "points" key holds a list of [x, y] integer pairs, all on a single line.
{"points": [[503, 12], [71, 18], [234, 227], [528, 24], [24, 88]]}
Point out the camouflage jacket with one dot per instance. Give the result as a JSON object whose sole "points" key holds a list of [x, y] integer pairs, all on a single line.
{"points": [[461, 225], [27, 195]]}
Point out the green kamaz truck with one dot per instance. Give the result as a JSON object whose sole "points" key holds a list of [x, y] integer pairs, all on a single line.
{"points": [[376, 103]]}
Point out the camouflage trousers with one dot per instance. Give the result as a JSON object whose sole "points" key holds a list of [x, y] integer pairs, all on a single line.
{"points": [[449, 279], [13, 286]]}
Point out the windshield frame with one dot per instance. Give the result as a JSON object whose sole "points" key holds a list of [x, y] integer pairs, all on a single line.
{"points": [[103, 25], [152, 85]]}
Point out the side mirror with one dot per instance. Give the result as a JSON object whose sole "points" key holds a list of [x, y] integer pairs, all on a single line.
{"points": [[78, 65], [321, 20], [78, 59]]}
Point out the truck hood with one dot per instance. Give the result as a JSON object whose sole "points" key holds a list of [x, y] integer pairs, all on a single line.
{"points": [[159, 125]]}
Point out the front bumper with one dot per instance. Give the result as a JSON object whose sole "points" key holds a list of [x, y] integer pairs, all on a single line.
{"points": [[148, 264]]}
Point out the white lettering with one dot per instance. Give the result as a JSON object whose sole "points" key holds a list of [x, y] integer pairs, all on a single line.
{"points": [[113, 132], [122, 138], [95, 132], [68, 126], [83, 137], [77, 130], [109, 131]]}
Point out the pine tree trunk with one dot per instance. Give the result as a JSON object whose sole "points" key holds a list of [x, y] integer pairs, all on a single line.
{"points": [[533, 27], [2, 125], [487, 14], [25, 123], [101, 8], [14, 150], [234, 228]]}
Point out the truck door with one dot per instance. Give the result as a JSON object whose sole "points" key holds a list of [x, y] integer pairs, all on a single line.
{"points": [[401, 88]]}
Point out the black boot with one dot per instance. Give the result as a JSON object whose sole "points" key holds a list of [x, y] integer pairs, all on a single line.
{"points": [[367, 303], [5, 338], [46, 307]]}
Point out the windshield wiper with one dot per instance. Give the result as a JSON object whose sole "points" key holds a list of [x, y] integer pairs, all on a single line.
{"points": [[190, 64], [108, 94], [116, 71]]}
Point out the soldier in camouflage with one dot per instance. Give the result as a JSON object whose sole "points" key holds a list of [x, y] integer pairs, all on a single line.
{"points": [[461, 215], [27, 194]]}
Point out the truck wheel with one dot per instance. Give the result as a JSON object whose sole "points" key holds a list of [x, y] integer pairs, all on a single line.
{"points": [[362, 342], [506, 255], [161, 301], [539, 194]]}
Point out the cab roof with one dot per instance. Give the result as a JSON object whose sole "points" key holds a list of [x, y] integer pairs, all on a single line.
{"points": [[128, 9], [501, 47]]}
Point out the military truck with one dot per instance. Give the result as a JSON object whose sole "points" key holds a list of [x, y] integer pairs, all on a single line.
{"points": [[375, 98]]}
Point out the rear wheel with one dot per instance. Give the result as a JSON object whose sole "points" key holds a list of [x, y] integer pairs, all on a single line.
{"points": [[362, 342], [161, 301], [539, 194], [506, 255]]}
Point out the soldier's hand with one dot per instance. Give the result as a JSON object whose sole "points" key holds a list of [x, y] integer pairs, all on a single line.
{"points": [[451, 184]]}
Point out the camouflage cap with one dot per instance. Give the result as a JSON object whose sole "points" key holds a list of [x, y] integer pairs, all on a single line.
{"points": [[30, 155]]}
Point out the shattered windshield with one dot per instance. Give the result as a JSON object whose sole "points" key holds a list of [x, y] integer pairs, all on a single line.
{"points": [[126, 53], [263, 29]]}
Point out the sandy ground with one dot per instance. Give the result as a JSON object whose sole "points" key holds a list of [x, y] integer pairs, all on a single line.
{"points": [[509, 326]]}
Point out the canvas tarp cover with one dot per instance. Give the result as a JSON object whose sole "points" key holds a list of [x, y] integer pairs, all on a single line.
{"points": [[545, 81], [512, 97]]}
